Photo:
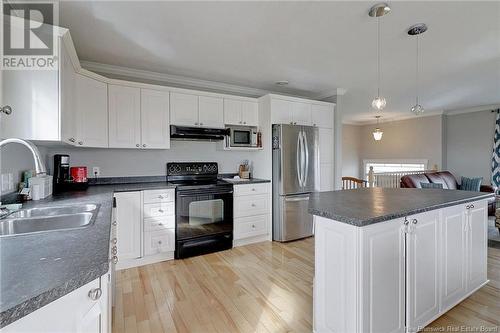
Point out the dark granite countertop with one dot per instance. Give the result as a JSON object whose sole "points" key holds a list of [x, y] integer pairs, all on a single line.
{"points": [[362, 207], [248, 181], [36, 269]]}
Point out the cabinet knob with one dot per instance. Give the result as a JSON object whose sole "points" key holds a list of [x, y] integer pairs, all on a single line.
{"points": [[472, 206], [253, 205], [314, 125], [71, 140], [95, 294], [414, 221], [114, 260], [6, 109], [80, 143], [137, 145], [160, 224], [291, 123], [114, 223], [201, 124], [196, 123], [240, 122], [114, 240], [114, 250], [160, 210], [253, 189], [253, 226], [144, 145], [159, 242], [244, 122], [160, 196]]}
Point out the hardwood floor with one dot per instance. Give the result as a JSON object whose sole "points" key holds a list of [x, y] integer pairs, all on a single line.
{"points": [[265, 287]]}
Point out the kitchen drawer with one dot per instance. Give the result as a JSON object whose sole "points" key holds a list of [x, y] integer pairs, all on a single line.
{"points": [[161, 223], [159, 210], [251, 205], [252, 189], [159, 241], [153, 196], [252, 226]]}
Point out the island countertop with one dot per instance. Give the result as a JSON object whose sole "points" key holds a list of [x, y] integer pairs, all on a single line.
{"points": [[365, 206]]}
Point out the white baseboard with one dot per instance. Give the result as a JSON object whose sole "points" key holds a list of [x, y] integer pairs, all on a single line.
{"points": [[129, 263], [251, 240]]}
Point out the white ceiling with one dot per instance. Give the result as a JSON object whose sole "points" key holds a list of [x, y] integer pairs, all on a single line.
{"points": [[317, 46]]}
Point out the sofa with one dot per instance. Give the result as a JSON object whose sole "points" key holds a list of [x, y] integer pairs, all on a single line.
{"points": [[448, 181]]}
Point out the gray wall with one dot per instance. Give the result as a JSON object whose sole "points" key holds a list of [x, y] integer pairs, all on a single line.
{"points": [[351, 150], [131, 162], [469, 144], [15, 159]]}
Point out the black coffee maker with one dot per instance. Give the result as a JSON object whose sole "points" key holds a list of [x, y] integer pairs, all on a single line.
{"points": [[61, 176]]}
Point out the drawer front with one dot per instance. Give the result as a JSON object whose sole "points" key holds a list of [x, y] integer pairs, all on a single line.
{"points": [[159, 241], [154, 196], [252, 189], [159, 210], [251, 205], [159, 224], [245, 227]]}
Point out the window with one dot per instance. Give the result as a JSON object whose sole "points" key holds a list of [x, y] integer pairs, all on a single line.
{"points": [[380, 166]]}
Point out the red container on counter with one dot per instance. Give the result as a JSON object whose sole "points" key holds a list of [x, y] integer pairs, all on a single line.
{"points": [[78, 174]]}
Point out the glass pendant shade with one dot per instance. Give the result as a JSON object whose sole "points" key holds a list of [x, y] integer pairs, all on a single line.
{"points": [[379, 103], [417, 109], [377, 134]]}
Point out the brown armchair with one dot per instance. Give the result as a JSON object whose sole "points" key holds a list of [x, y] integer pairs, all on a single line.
{"points": [[448, 181]]}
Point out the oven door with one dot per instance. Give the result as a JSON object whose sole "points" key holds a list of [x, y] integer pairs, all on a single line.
{"points": [[203, 212]]}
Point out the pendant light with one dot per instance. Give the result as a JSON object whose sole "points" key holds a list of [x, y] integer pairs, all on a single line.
{"points": [[416, 30], [377, 133], [378, 11]]}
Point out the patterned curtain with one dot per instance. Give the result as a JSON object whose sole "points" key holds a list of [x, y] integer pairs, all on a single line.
{"points": [[495, 160]]}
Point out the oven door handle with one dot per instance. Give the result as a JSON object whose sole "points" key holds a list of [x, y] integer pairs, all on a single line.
{"points": [[191, 193]]}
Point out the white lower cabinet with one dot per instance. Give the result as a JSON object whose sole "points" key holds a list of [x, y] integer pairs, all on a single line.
{"points": [[252, 213], [399, 275], [145, 227], [74, 312]]}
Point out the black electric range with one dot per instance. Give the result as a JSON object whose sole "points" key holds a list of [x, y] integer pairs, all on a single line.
{"points": [[204, 209]]}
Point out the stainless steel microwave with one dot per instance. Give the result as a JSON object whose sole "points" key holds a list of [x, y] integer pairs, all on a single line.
{"points": [[242, 136]]}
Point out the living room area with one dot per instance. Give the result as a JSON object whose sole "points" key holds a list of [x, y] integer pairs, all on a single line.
{"points": [[441, 149]]}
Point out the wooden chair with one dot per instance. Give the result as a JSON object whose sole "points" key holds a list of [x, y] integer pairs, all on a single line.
{"points": [[350, 183]]}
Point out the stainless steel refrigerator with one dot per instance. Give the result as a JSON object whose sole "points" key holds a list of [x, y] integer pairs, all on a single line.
{"points": [[295, 176]]}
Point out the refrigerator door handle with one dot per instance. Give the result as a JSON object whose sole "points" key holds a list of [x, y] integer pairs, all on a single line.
{"points": [[298, 159], [306, 149]]}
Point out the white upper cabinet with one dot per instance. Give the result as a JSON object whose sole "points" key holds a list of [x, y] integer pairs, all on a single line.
{"points": [[68, 92], [184, 109], [241, 113], [211, 112], [301, 113], [196, 111], [290, 112], [91, 108], [250, 113], [155, 120], [322, 115], [124, 117]]}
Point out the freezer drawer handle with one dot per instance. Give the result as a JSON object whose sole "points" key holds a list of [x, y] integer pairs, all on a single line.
{"points": [[297, 199]]}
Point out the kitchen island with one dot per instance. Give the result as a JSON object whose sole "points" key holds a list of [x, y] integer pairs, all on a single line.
{"points": [[394, 260]]}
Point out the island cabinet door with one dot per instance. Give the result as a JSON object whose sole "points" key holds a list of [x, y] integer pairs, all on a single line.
{"points": [[382, 274], [453, 255], [477, 243], [422, 269]]}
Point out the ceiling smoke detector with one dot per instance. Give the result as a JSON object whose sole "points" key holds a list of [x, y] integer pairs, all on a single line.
{"points": [[282, 82]]}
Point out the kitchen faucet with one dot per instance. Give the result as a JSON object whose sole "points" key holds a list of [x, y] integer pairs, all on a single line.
{"points": [[39, 165]]}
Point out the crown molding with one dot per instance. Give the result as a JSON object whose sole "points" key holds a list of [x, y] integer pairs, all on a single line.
{"points": [[175, 80], [386, 119], [472, 109], [330, 93]]}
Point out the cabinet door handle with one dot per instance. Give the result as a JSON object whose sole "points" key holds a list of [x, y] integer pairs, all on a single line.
{"points": [[95, 294], [80, 143], [144, 145], [137, 145], [71, 140], [160, 210]]}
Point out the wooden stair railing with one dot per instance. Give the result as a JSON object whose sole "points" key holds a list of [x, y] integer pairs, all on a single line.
{"points": [[349, 183]]}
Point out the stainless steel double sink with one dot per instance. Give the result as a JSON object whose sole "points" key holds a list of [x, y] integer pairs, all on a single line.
{"points": [[32, 220]]}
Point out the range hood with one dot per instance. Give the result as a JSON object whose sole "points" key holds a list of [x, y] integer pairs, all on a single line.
{"points": [[197, 133]]}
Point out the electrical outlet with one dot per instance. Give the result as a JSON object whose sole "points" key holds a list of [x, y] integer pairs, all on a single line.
{"points": [[96, 171]]}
